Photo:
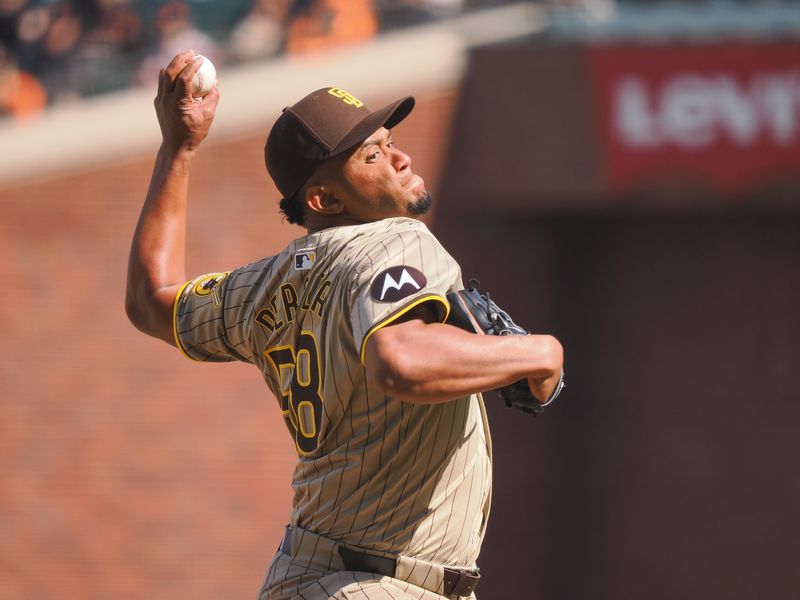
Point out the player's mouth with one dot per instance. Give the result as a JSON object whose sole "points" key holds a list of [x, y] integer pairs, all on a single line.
{"points": [[414, 182]]}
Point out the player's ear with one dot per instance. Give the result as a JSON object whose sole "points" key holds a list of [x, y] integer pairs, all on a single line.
{"points": [[321, 200]]}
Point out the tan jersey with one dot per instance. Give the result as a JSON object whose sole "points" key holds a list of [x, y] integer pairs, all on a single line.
{"points": [[372, 470]]}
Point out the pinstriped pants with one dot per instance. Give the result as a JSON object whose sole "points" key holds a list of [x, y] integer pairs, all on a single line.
{"points": [[314, 571]]}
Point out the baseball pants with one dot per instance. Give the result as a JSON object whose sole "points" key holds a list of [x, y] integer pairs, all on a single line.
{"points": [[309, 567]]}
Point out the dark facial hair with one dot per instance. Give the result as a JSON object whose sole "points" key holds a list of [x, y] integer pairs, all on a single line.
{"points": [[421, 204]]}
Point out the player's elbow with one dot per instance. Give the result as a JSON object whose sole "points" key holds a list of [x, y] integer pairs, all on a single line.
{"points": [[149, 314], [133, 310], [138, 314], [551, 358]]}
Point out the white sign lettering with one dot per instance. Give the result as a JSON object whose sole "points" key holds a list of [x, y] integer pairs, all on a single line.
{"points": [[695, 111]]}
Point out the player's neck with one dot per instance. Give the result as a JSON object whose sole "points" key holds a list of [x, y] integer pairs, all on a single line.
{"points": [[316, 222]]}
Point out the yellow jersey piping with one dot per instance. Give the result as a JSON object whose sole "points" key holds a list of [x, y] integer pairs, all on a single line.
{"points": [[400, 313], [175, 320]]}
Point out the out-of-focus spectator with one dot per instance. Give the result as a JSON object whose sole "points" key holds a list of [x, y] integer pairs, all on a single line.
{"points": [[21, 94], [176, 33], [31, 27], [47, 37], [110, 50], [64, 32], [318, 24], [260, 33], [117, 29], [9, 13]]}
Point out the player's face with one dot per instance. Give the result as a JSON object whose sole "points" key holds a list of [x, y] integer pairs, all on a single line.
{"points": [[376, 181]]}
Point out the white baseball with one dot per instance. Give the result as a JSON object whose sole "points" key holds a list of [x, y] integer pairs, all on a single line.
{"points": [[205, 78]]}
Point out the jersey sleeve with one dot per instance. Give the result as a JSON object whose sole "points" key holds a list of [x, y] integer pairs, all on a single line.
{"points": [[211, 317], [405, 270]]}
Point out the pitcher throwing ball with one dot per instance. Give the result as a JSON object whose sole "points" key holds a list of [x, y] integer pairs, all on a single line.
{"points": [[365, 335]]}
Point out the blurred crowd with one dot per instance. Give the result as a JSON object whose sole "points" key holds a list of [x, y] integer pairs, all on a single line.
{"points": [[53, 51], [56, 50]]}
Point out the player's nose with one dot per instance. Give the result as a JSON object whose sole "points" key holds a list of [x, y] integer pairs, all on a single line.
{"points": [[400, 160]]}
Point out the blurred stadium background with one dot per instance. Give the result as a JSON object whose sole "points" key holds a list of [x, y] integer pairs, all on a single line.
{"points": [[625, 175]]}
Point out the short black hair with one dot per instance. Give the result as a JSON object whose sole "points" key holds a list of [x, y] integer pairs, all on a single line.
{"points": [[292, 209]]}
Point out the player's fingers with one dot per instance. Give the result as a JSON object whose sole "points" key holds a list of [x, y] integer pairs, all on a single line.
{"points": [[176, 65], [211, 99], [183, 82], [178, 62], [161, 86]]}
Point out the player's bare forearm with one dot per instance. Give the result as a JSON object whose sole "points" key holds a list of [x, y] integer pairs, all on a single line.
{"points": [[156, 268], [432, 362]]}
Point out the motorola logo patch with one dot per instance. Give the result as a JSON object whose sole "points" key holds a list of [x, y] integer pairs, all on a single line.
{"points": [[396, 283]]}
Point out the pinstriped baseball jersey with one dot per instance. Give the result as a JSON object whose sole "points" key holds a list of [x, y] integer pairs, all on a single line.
{"points": [[372, 471]]}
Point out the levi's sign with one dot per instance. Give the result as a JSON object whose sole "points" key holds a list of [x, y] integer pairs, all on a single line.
{"points": [[729, 115], [696, 111]]}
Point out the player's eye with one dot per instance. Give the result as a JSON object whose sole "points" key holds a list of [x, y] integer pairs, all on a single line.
{"points": [[372, 156]]}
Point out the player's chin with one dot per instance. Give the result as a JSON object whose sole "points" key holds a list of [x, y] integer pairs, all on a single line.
{"points": [[421, 203]]}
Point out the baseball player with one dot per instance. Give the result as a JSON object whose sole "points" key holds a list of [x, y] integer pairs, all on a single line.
{"points": [[347, 324]]}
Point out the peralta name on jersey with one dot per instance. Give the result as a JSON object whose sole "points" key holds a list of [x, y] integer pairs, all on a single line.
{"points": [[284, 306]]}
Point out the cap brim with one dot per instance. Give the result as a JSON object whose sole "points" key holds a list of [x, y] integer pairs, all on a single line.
{"points": [[388, 116]]}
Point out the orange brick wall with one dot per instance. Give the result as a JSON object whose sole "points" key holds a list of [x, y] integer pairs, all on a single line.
{"points": [[128, 471]]}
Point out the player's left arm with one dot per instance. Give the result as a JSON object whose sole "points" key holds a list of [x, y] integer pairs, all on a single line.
{"points": [[156, 267], [419, 359]]}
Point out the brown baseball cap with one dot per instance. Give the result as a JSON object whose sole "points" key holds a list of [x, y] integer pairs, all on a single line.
{"points": [[322, 125]]}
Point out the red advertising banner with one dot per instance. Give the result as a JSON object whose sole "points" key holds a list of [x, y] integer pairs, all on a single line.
{"points": [[722, 116]]}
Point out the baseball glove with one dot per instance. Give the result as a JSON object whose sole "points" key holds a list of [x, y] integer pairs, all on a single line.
{"points": [[477, 313]]}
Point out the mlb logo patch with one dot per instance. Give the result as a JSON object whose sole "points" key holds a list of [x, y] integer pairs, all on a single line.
{"points": [[304, 260]]}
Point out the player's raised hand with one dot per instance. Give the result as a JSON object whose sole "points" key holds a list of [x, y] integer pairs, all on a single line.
{"points": [[184, 120]]}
